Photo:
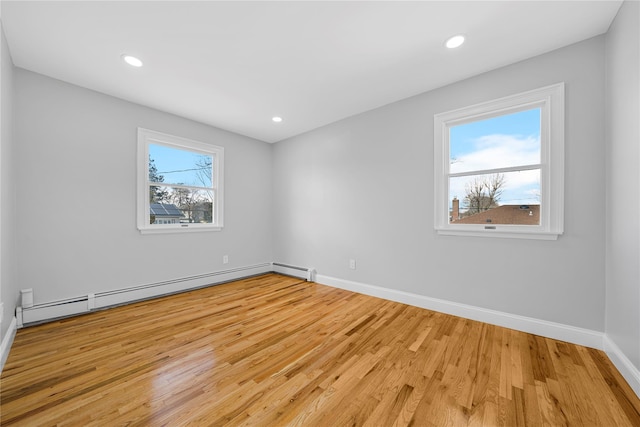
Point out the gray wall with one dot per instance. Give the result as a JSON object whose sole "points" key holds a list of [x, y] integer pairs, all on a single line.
{"points": [[75, 160], [8, 285], [623, 182], [362, 188]]}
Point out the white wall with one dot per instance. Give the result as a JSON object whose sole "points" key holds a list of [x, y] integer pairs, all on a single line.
{"points": [[623, 183], [8, 285], [75, 160], [362, 188]]}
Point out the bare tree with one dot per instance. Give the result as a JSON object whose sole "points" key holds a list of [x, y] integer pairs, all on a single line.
{"points": [[203, 207], [482, 194], [195, 204], [184, 199], [204, 170], [157, 194]]}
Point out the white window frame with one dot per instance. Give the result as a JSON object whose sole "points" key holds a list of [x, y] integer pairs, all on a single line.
{"points": [[146, 137], [550, 100]]}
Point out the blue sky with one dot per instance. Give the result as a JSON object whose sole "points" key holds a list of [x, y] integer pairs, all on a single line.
{"points": [[177, 166], [504, 141]]}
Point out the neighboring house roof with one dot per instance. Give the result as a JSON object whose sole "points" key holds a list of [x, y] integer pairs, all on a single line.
{"points": [[165, 210], [506, 214]]}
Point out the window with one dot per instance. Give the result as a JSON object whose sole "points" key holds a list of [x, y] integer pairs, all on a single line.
{"points": [[499, 167], [180, 184]]}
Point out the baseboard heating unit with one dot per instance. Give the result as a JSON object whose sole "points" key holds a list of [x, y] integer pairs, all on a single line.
{"points": [[39, 313], [291, 270]]}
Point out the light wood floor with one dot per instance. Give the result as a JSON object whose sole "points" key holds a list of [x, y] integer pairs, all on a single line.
{"points": [[274, 350]]}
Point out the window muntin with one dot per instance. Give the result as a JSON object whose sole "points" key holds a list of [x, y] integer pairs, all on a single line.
{"points": [[180, 184], [518, 141]]}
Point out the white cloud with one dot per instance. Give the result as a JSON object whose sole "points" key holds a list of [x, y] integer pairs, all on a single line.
{"points": [[498, 151]]}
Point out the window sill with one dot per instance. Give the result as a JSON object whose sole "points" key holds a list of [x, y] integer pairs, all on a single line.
{"points": [[186, 228], [503, 234]]}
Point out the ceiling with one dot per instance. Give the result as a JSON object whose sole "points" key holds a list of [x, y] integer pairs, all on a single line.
{"points": [[235, 65]]}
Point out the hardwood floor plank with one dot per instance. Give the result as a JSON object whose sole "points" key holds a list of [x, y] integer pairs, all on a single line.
{"points": [[274, 350]]}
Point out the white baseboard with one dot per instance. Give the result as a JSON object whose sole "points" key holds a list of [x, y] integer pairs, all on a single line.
{"points": [[5, 347], [623, 364], [543, 328], [124, 296], [580, 336], [53, 310]]}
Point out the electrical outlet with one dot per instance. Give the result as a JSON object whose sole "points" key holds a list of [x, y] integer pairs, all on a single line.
{"points": [[225, 259], [352, 264]]}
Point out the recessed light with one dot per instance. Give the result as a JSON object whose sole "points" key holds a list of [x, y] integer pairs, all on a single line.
{"points": [[276, 119], [132, 60], [455, 41]]}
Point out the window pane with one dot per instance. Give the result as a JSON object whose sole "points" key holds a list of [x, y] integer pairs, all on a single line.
{"points": [[506, 198], [499, 142], [175, 166], [171, 205]]}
